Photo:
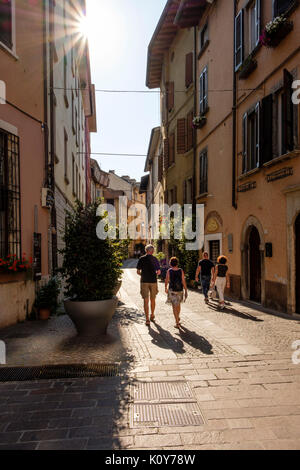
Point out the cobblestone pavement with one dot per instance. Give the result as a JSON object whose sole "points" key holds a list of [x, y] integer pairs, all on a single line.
{"points": [[237, 365]]}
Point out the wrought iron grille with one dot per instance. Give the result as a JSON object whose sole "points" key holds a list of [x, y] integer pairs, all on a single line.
{"points": [[10, 211]]}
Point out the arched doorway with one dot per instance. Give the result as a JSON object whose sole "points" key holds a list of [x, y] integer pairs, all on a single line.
{"points": [[297, 262], [254, 265]]}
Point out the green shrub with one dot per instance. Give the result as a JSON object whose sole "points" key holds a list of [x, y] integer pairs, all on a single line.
{"points": [[91, 267]]}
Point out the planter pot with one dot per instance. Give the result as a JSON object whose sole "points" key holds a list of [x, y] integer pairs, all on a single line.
{"points": [[247, 68], [91, 318], [276, 38], [12, 277], [118, 287], [44, 313]]}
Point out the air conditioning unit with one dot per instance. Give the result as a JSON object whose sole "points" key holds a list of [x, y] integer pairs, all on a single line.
{"points": [[47, 198]]}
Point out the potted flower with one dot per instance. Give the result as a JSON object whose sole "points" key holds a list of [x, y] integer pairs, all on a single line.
{"points": [[91, 270], [199, 121], [275, 31], [247, 67], [46, 300], [12, 265]]}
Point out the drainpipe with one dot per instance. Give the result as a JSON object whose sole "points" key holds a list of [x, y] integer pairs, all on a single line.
{"points": [[195, 114], [234, 120], [45, 72], [52, 137]]}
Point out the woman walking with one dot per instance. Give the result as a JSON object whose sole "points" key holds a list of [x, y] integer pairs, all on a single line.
{"points": [[175, 284], [221, 279]]}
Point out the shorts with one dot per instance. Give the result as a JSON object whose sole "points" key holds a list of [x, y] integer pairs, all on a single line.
{"points": [[148, 289], [175, 298]]}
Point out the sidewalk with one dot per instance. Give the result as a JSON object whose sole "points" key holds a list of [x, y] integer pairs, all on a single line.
{"points": [[225, 381]]}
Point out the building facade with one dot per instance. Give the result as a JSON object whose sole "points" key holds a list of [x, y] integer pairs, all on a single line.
{"points": [[24, 222], [247, 171]]}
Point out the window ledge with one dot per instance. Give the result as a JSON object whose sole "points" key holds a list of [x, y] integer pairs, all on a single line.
{"points": [[249, 173], [9, 51], [205, 46], [282, 158], [202, 196]]}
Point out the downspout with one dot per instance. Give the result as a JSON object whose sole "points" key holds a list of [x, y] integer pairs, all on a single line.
{"points": [[52, 138], [195, 114], [45, 72], [234, 120]]}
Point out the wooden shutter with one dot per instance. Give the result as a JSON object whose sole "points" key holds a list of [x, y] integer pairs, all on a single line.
{"points": [[189, 69], [181, 136], [184, 192], [160, 168], [189, 131], [166, 154], [170, 95], [172, 149], [6, 23], [266, 129], [245, 143], [288, 112], [239, 39]]}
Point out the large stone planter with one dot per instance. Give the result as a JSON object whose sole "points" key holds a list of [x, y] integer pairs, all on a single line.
{"points": [[118, 287], [91, 318]]}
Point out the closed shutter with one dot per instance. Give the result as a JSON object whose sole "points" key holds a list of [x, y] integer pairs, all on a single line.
{"points": [[181, 136], [170, 95], [245, 143], [266, 129], [239, 39], [188, 69], [288, 112], [189, 131], [172, 149], [166, 154], [6, 23], [160, 168]]}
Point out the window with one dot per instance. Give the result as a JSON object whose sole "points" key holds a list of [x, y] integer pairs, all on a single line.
{"points": [[189, 69], [251, 147], [203, 37], [203, 187], [204, 91], [188, 191], [214, 250], [254, 24], [66, 155], [66, 80], [239, 39], [76, 181], [6, 23], [172, 149], [10, 226], [281, 6], [279, 122]]}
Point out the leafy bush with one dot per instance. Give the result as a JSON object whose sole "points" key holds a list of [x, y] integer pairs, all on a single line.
{"points": [[47, 295], [161, 256], [91, 267]]}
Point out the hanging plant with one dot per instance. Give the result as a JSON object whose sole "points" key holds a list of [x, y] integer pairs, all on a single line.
{"points": [[13, 264], [275, 31], [199, 121]]}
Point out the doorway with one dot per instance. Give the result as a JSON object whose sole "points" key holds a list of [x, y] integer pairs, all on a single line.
{"points": [[255, 265], [297, 262]]}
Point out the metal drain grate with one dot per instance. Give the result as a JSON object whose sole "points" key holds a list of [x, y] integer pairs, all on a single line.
{"points": [[162, 391], [180, 414], [20, 374]]}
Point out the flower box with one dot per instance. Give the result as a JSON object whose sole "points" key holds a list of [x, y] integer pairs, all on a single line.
{"points": [[199, 122], [276, 31], [247, 67]]}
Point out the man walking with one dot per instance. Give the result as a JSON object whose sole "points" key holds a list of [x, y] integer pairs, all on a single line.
{"points": [[148, 268], [207, 269]]}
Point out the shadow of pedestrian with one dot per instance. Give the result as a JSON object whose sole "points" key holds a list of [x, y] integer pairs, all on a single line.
{"points": [[163, 339], [196, 341], [234, 312]]}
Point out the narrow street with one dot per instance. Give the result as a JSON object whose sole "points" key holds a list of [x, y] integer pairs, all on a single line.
{"points": [[225, 381]]}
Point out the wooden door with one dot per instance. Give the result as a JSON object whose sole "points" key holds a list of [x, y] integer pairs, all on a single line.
{"points": [[255, 265], [297, 238]]}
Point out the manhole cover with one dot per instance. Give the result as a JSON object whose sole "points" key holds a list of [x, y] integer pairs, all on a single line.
{"points": [[162, 391], [16, 374], [179, 414]]}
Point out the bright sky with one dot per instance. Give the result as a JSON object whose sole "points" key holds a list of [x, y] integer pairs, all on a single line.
{"points": [[119, 34]]}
